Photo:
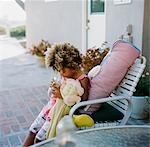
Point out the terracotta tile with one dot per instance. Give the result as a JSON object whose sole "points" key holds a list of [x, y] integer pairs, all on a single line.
{"points": [[4, 142], [15, 128], [14, 140], [6, 130], [21, 119]]}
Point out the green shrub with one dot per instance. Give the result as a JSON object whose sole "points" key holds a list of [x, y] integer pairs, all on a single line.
{"points": [[143, 86], [18, 32]]}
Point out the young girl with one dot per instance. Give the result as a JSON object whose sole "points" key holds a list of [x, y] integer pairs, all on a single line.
{"points": [[65, 59]]}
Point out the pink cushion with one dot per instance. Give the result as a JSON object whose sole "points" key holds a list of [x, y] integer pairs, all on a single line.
{"points": [[113, 69]]}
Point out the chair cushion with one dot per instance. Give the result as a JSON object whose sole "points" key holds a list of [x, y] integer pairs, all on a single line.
{"points": [[113, 70], [107, 113]]}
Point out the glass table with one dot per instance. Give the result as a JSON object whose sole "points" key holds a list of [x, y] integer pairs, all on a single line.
{"points": [[120, 136]]}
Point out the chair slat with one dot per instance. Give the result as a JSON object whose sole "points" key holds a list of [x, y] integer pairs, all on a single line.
{"points": [[131, 77], [113, 94], [121, 105], [133, 73], [138, 66], [124, 102], [118, 108], [123, 91], [129, 82], [126, 86]]}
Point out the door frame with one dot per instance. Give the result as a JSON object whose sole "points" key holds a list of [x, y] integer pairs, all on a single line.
{"points": [[84, 25]]}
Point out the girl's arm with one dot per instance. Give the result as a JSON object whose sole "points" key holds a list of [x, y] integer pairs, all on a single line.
{"points": [[85, 83]]}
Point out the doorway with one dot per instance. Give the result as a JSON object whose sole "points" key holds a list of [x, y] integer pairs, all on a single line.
{"points": [[95, 29]]}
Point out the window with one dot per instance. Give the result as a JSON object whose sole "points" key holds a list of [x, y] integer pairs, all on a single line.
{"points": [[97, 6]]}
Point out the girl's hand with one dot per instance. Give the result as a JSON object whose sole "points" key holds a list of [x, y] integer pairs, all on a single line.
{"points": [[53, 82], [56, 90]]}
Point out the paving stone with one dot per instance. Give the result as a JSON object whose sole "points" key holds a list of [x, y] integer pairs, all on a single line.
{"points": [[40, 106], [5, 103], [31, 103], [2, 114], [6, 130], [44, 101], [1, 133], [29, 116], [4, 107], [8, 121], [15, 128], [17, 112], [14, 140], [34, 111], [9, 114], [21, 119], [15, 106], [21, 105], [22, 136], [25, 127], [4, 142]]}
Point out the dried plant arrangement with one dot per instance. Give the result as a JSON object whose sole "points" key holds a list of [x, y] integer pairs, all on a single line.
{"points": [[40, 49], [92, 58]]}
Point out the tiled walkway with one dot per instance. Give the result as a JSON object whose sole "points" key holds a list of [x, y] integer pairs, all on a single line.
{"points": [[18, 109], [23, 92]]}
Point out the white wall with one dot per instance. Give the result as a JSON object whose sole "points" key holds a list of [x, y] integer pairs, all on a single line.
{"points": [[56, 21], [146, 33], [119, 16]]}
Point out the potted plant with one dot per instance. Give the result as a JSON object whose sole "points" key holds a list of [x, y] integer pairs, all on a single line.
{"points": [[141, 98], [39, 50], [92, 58]]}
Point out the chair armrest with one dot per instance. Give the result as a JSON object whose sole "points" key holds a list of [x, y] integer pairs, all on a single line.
{"points": [[100, 100]]}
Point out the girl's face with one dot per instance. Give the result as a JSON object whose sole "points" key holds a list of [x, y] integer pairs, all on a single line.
{"points": [[67, 72]]}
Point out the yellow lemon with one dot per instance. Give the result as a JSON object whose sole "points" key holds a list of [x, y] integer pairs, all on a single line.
{"points": [[83, 120]]}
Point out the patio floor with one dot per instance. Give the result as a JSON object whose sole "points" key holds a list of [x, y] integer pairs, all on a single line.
{"points": [[23, 92], [9, 47]]}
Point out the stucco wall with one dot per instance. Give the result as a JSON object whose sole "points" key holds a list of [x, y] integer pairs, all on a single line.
{"points": [[56, 21], [119, 16], [146, 34]]}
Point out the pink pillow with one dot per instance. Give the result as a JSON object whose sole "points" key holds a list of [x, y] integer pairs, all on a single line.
{"points": [[113, 70]]}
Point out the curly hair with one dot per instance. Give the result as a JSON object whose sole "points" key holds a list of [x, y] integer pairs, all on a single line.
{"points": [[61, 56]]}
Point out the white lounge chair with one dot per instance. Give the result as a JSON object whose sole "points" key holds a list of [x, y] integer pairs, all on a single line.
{"points": [[119, 100]]}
